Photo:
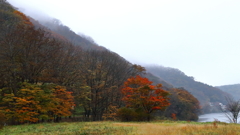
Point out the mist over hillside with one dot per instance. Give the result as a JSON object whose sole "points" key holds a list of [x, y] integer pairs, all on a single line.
{"points": [[43, 20], [169, 77], [51, 60], [233, 90]]}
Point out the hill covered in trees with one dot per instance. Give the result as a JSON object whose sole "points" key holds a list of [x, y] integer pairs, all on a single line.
{"points": [[233, 90], [47, 72], [203, 92], [31, 54]]}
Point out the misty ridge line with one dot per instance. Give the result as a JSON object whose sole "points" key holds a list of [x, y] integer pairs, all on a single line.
{"points": [[170, 33]]}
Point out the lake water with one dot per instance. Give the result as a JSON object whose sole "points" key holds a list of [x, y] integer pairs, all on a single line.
{"points": [[212, 117]]}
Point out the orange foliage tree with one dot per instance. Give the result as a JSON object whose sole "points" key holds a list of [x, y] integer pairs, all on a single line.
{"points": [[140, 93], [25, 19], [64, 101], [34, 103]]}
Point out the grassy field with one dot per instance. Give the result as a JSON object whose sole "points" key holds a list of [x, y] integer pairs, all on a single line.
{"points": [[124, 128]]}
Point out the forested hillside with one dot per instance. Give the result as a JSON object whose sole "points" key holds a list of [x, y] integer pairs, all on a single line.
{"points": [[157, 80], [233, 90], [203, 92], [32, 55], [47, 75], [84, 41]]}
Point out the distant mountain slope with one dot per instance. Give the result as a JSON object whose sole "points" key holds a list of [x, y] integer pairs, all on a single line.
{"points": [[81, 40], [157, 80], [233, 90], [203, 92], [8, 19]]}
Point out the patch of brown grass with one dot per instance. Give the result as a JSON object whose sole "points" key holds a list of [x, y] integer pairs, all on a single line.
{"points": [[182, 129]]}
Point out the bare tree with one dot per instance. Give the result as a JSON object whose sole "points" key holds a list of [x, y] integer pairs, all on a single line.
{"points": [[232, 109]]}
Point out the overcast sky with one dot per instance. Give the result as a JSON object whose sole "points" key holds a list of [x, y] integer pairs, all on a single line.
{"points": [[199, 37]]}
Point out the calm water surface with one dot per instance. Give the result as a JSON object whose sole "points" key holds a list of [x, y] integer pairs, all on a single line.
{"points": [[212, 117]]}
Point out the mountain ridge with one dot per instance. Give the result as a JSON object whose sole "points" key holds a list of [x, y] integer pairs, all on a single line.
{"points": [[203, 92], [232, 89]]}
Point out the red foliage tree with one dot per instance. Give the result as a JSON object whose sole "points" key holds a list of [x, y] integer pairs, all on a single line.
{"points": [[140, 93]]}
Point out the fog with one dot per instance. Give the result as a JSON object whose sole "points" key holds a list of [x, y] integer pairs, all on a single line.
{"points": [[200, 38]]}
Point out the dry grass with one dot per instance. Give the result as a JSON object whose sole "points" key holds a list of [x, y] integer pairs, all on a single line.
{"points": [[178, 128], [124, 128]]}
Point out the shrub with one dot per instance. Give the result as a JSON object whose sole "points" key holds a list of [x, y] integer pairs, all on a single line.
{"points": [[129, 114], [126, 114]]}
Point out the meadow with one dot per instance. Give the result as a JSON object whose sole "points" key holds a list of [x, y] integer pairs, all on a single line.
{"points": [[124, 128]]}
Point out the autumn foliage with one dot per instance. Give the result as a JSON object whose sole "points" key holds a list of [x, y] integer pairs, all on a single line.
{"points": [[184, 106], [139, 93], [34, 103], [25, 19]]}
